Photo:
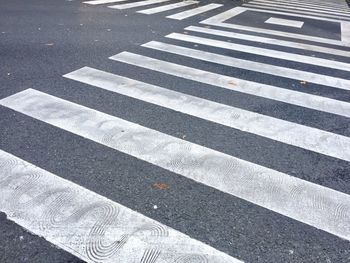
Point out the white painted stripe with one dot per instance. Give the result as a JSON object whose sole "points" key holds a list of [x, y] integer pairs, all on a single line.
{"points": [[219, 19], [229, 13], [272, 41], [281, 11], [167, 7], [334, 2], [101, 2], [308, 6], [257, 89], [323, 4], [318, 206], [321, 62], [284, 22], [194, 11], [316, 140], [345, 32], [137, 4], [88, 225], [298, 75], [303, 10]]}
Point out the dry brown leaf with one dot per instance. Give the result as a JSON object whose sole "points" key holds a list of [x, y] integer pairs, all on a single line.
{"points": [[160, 186], [232, 83], [303, 82]]}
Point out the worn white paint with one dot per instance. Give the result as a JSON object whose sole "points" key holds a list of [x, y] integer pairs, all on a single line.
{"points": [[316, 140], [164, 8], [298, 75], [271, 41], [298, 9], [312, 204], [307, 6], [341, 4], [88, 225], [295, 13], [321, 62], [101, 2], [228, 14], [219, 19], [284, 22], [256, 89], [194, 11], [345, 32], [137, 4]]}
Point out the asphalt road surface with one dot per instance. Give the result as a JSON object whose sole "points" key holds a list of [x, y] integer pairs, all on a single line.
{"points": [[174, 131]]}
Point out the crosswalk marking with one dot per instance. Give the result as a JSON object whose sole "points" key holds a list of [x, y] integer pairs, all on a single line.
{"points": [[309, 7], [179, 16], [321, 62], [312, 204], [266, 91], [194, 11], [303, 10], [271, 41], [328, 3], [284, 22], [345, 36], [137, 4], [295, 13], [283, 131], [324, 4], [164, 8], [218, 20], [252, 65], [101, 2], [89, 225], [97, 229]]}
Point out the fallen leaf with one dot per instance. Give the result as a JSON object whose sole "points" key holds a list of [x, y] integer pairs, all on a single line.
{"points": [[303, 82], [160, 186]]}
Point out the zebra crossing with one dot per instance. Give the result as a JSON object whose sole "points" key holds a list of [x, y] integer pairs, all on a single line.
{"points": [[166, 6], [219, 20], [271, 5], [97, 229]]}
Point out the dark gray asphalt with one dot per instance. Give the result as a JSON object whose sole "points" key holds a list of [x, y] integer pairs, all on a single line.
{"points": [[42, 40]]}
